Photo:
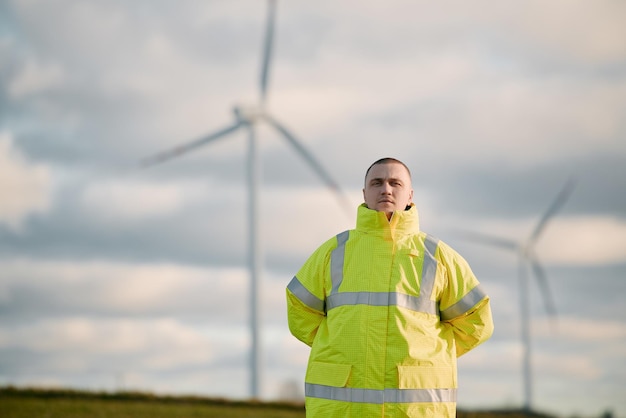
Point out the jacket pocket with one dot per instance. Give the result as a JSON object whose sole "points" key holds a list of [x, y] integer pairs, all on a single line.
{"points": [[328, 374], [426, 377]]}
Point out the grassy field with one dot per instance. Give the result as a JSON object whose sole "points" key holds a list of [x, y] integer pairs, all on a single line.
{"points": [[60, 403]]}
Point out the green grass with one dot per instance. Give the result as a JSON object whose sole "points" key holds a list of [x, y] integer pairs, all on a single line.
{"points": [[79, 408], [63, 403]]}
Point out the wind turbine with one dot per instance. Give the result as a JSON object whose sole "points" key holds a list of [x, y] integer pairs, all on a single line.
{"points": [[528, 257], [247, 118]]}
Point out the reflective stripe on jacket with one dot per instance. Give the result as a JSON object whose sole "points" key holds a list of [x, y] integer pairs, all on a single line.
{"points": [[386, 309]]}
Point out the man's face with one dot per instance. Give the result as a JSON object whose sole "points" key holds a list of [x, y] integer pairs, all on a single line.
{"points": [[388, 188]]}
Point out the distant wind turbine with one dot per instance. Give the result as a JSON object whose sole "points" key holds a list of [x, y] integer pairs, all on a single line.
{"points": [[247, 118], [527, 257]]}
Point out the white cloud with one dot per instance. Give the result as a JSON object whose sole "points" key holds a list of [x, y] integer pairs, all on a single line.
{"points": [[109, 287], [529, 120], [133, 200], [335, 93], [586, 31], [34, 78], [577, 241], [162, 343], [591, 32], [25, 187], [293, 235], [584, 240], [497, 354], [568, 365], [582, 330]]}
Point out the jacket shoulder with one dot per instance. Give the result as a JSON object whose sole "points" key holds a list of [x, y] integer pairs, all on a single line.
{"points": [[322, 253]]}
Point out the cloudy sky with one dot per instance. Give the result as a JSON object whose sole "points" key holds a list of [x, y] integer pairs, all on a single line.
{"points": [[136, 279]]}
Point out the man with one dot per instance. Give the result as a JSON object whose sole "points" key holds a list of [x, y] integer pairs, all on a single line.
{"points": [[386, 310]]}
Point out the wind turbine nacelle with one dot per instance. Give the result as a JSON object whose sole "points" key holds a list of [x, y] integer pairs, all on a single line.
{"points": [[248, 114]]}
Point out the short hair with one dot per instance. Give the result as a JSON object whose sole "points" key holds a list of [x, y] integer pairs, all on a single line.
{"points": [[387, 160]]}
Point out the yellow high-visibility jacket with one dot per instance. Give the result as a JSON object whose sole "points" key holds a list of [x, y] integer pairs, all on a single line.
{"points": [[386, 310]]}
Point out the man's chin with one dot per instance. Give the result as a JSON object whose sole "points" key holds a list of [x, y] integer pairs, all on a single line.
{"points": [[386, 207]]}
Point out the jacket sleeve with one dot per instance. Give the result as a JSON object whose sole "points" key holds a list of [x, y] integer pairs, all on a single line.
{"points": [[304, 321], [464, 305], [306, 295]]}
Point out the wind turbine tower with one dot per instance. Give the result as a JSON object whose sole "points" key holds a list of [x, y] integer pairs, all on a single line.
{"points": [[527, 257], [247, 118]]}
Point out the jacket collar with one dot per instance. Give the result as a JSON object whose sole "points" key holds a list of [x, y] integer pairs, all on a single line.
{"points": [[402, 222]]}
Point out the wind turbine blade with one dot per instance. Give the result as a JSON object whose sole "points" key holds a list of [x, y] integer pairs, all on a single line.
{"points": [[334, 186], [556, 205], [185, 148], [542, 280], [490, 240], [267, 49]]}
